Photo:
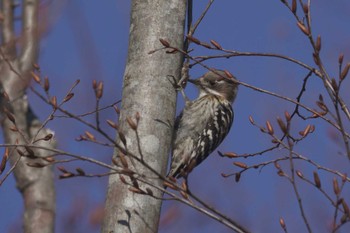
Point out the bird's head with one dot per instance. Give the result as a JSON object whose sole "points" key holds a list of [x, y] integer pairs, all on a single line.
{"points": [[216, 82]]}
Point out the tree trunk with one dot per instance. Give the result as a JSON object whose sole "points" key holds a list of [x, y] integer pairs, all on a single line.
{"points": [[149, 91], [35, 184]]}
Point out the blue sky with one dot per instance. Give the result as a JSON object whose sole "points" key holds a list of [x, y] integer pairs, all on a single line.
{"points": [[88, 40]]}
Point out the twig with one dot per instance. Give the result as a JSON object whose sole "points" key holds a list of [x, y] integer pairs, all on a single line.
{"points": [[12, 167], [295, 188]]}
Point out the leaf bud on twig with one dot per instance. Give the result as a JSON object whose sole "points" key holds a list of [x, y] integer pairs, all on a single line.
{"points": [[341, 58], [238, 177], [336, 188], [345, 207], [216, 44], [287, 116], [283, 224], [282, 125], [90, 136], [80, 171], [54, 102], [36, 66], [294, 6], [112, 124], [68, 97], [123, 160], [269, 128], [10, 116], [251, 120], [303, 28], [229, 75], [99, 90], [35, 77], [164, 42], [230, 154], [345, 72], [46, 84], [4, 160], [334, 85], [300, 174], [240, 164], [317, 180], [318, 43], [305, 9], [122, 137], [193, 39], [131, 123]]}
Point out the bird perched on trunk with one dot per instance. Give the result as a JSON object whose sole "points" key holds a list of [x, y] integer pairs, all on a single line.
{"points": [[203, 123]]}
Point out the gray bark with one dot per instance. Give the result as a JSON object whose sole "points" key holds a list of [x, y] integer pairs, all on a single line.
{"points": [[35, 184], [149, 91]]}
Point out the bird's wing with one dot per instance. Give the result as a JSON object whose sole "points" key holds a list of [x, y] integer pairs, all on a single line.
{"points": [[214, 132]]}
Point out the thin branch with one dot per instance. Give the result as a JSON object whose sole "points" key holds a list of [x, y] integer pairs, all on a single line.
{"points": [[295, 188], [298, 99], [232, 53], [12, 167], [91, 112], [200, 19]]}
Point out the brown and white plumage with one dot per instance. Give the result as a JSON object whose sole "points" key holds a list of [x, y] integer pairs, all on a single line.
{"points": [[203, 123]]}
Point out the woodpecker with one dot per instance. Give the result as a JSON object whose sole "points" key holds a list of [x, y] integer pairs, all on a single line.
{"points": [[203, 123]]}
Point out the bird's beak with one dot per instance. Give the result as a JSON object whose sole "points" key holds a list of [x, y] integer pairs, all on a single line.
{"points": [[194, 81]]}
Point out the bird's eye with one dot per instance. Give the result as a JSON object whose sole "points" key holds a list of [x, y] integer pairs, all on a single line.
{"points": [[213, 82]]}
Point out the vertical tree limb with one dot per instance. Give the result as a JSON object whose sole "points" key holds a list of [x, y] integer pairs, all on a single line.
{"points": [[35, 184], [7, 32], [147, 90], [30, 35]]}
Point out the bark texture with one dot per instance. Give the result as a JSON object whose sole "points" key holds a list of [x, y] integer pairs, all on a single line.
{"points": [[147, 90]]}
